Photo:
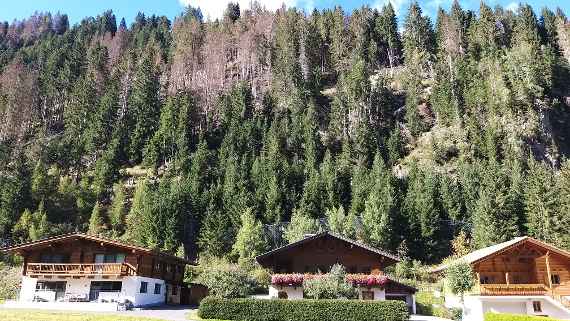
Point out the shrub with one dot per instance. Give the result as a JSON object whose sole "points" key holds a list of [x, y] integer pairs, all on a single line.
{"points": [[330, 286], [9, 281], [514, 317], [459, 278], [226, 280], [302, 310]]}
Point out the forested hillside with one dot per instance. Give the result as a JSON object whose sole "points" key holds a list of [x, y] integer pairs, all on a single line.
{"points": [[201, 137]]}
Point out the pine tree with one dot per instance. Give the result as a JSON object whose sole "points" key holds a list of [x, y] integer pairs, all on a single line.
{"points": [[418, 34], [387, 29], [299, 227], [143, 108], [562, 218], [118, 211], [216, 234], [380, 207], [541, 195], [249, 241], [491, 207], [336, 219], [139, 211], [96, 223]]}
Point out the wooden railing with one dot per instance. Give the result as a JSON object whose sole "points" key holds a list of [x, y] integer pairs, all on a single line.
{"points": [[563, 300], [513, 289], [71, 269]]}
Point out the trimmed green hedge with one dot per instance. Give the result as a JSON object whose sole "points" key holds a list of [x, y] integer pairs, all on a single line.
{"points": [[514, 317], [302, 310]]}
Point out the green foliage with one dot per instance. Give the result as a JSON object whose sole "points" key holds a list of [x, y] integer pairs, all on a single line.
{"points": [[118, 210], [307, 310], [380, 208], [514, 317], [249, 240], [225, 280], [96, 222], [468, 116], [332, 285], [10, 278], [459, 278], [300, 226]]}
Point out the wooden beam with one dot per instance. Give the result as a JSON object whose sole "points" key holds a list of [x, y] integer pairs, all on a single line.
{"points": [[25, 268], [507, 278], [548, 269]]}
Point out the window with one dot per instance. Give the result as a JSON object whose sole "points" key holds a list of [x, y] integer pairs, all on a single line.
{"points": [[352, 270], [367, 295], [487, 279], [110, 258], [555, 278], [144, 286], [175, 290], [366, 270], [157, 288], [536, 306], [54, 258]]}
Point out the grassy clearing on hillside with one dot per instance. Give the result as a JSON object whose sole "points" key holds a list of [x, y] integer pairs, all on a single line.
{"points": [[19, 315]]}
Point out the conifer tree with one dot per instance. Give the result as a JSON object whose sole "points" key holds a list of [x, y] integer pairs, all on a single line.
{"points": [[117, 213], [379, 210], [299, 227], [96, 223], [143, 108], [562, 219], [541, 195], [249, 240], [386, 27]]}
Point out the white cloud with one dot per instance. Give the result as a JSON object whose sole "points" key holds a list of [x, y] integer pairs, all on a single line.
{"points": [[513, 6], [397, 4], [212, 9]]}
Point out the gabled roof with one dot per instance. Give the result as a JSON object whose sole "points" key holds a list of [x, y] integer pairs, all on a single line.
{"points": [[481, 254], [334, 235], [29, 245]]}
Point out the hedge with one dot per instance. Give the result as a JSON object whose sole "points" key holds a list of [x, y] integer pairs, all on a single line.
{"points": [[302, 310], [514, 317]]}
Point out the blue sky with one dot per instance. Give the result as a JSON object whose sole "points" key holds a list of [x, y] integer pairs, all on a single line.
{"points": [[77, 9]]}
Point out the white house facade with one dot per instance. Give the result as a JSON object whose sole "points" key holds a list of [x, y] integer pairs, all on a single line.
{"points": [[88, 273]]}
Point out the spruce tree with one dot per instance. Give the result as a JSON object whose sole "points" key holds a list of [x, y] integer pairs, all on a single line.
{"points": [[299, 227], [143, 107], [249, 240], [96, 222], [379, 210], [541, 196], [117, 213]]}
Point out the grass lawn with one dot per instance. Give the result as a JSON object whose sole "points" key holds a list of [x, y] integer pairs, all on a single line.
{"points": [[27, 315], [194, 316]]}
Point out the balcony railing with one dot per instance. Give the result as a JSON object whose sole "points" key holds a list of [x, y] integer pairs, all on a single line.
{"points": [[513, 289], [71, 269]]}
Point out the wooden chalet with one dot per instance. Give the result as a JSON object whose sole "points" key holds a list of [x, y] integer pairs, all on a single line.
{"points": [[523, 267], [84, 268]]}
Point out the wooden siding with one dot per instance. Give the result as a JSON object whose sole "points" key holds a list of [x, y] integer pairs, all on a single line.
{"points": [[80, 251], [322, 253], [523, 270]]}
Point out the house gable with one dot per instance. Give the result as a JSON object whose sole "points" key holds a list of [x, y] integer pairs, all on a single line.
{"points": [[319, 252]]}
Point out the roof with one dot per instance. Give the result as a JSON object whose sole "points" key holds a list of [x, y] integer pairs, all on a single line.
{"points": [[479, 255], [399, 285], [25, 246], [334, 235]]}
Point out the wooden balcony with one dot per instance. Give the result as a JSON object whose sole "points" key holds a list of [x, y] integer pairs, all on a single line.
{"points": [[71, 269], [513, 289]]}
